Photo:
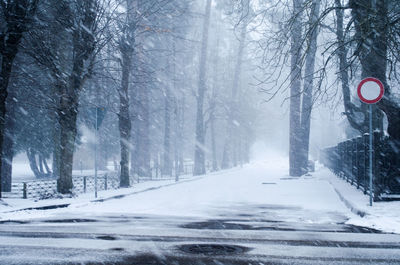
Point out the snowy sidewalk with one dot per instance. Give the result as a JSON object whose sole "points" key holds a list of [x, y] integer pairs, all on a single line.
{"points": [[235, 192], [8, 205], [383, 215]]}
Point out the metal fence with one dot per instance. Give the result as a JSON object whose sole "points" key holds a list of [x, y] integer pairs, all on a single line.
{"points": [[47, 188], [350, 161]]}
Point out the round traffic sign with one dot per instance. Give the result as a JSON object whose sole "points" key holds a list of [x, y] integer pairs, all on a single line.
{"points": [[370, 90]]}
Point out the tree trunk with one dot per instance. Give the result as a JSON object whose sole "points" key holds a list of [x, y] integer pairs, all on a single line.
{"points": [[41, 164], [181, 140], [295, 92], [199, 154], [176, 140], [135, 134], [67, 117], [351, 110], [167, 162], [6, 66], [31, 154], [307, 101], [372, 32], [233, 127], [124, 118], [143, 144], [6, 170], [56, 152], [213, 145], [17, 16], [177, 148], [8, 147], [56, 133], [349, 107], [48, 171], [213, 104], [83, 47]]}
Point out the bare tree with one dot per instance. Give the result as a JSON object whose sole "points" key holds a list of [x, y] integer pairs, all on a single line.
{"points": [[17, 18], [83, 47], [199, 155], [307, 95], [295, 90], [231, 151], [69, 55], [374, 42], [126, 45]]}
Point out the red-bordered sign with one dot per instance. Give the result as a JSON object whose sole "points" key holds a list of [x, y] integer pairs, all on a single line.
{"points": [[370, 90]]}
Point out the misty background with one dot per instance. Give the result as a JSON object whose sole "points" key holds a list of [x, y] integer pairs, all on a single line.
{"points": [[205, 84]]}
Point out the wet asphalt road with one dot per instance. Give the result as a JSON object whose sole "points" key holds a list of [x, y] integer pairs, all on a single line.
{"points": [[245, 234]]}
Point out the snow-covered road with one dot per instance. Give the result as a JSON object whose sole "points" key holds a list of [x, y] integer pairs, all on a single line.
{"points": [[250, 215]]}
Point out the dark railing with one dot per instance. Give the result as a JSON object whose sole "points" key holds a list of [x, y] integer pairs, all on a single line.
{"points": [[47, 188], [350, 161]]}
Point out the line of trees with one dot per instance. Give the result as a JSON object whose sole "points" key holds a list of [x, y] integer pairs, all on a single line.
{"points": [[318, 51], [146, 62]]}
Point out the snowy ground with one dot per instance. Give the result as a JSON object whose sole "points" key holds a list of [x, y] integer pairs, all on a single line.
{"points": [[263, 182], [15, 206]]}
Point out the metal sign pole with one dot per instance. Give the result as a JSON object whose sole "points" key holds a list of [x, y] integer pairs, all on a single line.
{"points": [[370, 155], [370, 90], [95, 158]]}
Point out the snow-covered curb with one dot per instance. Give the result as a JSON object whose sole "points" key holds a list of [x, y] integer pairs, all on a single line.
{"points": [[348, 204], [148, 189], [383, 215]]}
